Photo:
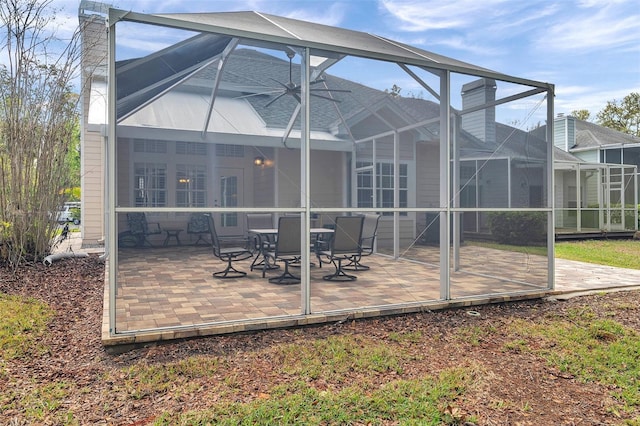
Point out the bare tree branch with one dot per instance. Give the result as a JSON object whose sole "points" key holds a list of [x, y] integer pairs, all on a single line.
{"points": [[38, 121]]}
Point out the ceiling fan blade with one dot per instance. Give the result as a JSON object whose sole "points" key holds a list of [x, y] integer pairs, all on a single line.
{"points": [[325, 97], [275, 99], [250, 95], [280, 83], [331, 90]]}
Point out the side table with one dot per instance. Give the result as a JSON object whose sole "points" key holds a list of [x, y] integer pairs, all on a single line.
{"points": [[172, 233]]}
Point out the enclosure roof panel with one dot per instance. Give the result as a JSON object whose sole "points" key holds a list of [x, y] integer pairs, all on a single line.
{"points": [[262, 27], [142, 79]]}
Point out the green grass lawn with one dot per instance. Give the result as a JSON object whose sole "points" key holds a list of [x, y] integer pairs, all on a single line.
{"points": [[620, 253], [588, 347]]}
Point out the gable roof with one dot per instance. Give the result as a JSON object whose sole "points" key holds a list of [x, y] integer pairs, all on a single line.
{"points": [[591, 135]]}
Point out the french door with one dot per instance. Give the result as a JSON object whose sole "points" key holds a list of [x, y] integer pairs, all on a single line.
{"points": [[229, 184]]}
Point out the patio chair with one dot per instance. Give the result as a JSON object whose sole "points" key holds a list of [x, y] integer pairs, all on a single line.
{"points": [[140, 229], [262, 242], [227, 254], [199, 225], [367, 243], [286, 248], [345, 245]]}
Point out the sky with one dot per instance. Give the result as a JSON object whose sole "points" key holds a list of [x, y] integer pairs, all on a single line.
{"points": [[589, 49]]}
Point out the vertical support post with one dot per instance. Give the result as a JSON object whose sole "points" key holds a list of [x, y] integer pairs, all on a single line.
{"points": [[551, 225], [305, 223], [374, 162], [509, 182], [456, 194], [635, 198], [579, 199], [396, 194], [110, 167], [445, 182]]}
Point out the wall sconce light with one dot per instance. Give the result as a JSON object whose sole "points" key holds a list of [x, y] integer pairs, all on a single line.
{"points": [[258, 161], [184, 180]]}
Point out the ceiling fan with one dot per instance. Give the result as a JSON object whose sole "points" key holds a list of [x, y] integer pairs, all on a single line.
{"points": [[293, 89]]}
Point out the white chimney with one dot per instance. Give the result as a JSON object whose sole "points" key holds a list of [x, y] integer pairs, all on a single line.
{"points": [[481, 123]]}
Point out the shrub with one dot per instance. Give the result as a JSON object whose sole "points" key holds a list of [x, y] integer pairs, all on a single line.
{"points": [[521, 228]]}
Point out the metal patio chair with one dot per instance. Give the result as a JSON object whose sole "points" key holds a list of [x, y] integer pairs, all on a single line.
{"points": [[344, 246], [139, 231], [199, 225], [227, 254], [286, 248], [367, 242]]}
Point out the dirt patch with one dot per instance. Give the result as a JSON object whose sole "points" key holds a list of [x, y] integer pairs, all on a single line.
{"points": [[515, 388]]}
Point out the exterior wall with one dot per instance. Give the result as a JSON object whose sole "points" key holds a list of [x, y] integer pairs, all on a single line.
{"points": [[493, 189], [427, 176], [94, 54], [385, 232], [288, 178], [564, 132], [565, 186], [93, 175], [258, 185], [327, 178], [264, 180], [480, 124], [588, 156], [526, 185]]}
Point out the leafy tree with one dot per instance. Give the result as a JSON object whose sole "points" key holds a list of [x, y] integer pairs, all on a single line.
{"points": [[581, 114], [38, 127], [394, 91], [73, 158], [623, 116]]}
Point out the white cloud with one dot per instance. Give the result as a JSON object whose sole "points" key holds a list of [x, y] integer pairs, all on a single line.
{"points": [[597, 27], [416, 15], [333, 16], [593, 99]]}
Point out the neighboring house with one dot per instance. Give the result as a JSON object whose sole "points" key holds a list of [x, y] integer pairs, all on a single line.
{"points": [[596, 179], [218, 123], [593, 143]]}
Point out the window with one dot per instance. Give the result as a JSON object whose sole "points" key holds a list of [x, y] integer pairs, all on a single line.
{"points": [[384, 185], [191, 188], [365, 185], [226, 150], [149, 146], [150, 188], [191, 148], [613, 155]]}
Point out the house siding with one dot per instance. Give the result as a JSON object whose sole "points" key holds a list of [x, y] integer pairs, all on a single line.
{"points": [[588, 156], [92, 183], [94, 54], [427, 176], [564, 133]]}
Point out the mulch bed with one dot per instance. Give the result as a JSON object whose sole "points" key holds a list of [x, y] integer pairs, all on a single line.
{"points": [[531, 392]]}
